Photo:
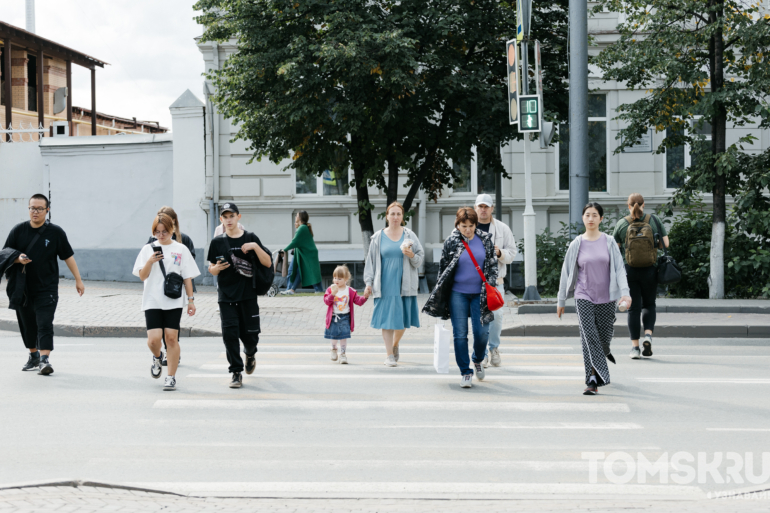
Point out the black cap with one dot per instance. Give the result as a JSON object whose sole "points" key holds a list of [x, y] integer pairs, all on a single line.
{"points": [[229, 207]]}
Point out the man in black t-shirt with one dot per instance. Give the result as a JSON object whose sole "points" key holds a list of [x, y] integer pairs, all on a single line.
{"points": [[232, 260], [41, 269]]}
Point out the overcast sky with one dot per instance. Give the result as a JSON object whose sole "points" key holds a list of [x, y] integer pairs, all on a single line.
{"points": [[148, 43]]}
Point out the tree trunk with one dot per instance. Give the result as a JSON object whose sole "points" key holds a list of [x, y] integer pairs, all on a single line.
{"points": [[392, 179], [362, 198], [716, 279]]}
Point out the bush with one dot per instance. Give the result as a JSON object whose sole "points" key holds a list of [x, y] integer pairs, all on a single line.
{"points": [[747, 258]]}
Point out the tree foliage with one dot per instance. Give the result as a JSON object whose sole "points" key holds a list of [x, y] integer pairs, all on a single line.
{"points": [[702, 63], [376, 85]]}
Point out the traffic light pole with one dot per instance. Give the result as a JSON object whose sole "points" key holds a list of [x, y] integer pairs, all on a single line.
{"points": [[530, 249]]}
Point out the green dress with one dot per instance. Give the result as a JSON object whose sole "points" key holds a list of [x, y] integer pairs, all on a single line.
{"points": [[305, 257]]}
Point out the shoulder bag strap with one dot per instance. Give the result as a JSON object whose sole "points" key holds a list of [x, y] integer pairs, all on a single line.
{"points": [[660, 231], [646, 219], [162, 267], [629, 219], [470, 253], [36, 237]]}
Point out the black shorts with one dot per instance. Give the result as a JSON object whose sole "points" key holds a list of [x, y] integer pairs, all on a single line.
{"points": [[157, 319]]}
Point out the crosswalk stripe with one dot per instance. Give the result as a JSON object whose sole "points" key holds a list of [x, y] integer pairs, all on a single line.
{"points": [[253, 404], [521, 425], [714, 381], [401, 375], [757, 430], [417, 489], [416, 366]]}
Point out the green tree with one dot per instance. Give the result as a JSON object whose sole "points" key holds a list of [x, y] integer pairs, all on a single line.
{"points": [[703, 63], [376, 85]]}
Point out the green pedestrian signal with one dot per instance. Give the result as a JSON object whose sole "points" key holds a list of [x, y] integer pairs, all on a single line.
{"points": [[529, 112]]}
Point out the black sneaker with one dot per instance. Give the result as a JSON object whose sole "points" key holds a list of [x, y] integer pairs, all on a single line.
{"points": [[45, 368], [647, 345], [33, 362], [591, 389], [251, 364], [237, 381], [611, 358]]}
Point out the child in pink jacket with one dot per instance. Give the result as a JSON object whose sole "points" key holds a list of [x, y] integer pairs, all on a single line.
{"points": [[339, 318]]}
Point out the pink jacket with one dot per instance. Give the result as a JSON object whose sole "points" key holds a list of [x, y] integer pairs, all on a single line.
{"points": [[355, 299]]}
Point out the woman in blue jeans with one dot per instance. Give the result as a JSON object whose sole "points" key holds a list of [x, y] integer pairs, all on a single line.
{"points": [[460, 293]]}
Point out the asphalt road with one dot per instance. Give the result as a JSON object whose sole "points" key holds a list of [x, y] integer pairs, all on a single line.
{"points": [[303, 426]]}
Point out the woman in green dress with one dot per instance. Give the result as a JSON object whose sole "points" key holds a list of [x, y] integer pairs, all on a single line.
{"points": [[305, 269], [391, 274]]}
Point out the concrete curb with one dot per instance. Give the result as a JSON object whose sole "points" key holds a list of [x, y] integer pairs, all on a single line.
{"points": [[551, 308], [73, 330], [672, 331]]}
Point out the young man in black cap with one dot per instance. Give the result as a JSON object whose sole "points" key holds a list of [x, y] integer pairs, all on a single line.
{"points": [[231, 260], [33, 280]]}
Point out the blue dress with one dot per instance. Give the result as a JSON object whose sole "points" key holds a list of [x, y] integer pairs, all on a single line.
{"points": [[391, 311]]}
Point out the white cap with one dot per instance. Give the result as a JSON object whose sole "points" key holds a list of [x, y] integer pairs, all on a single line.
{"points": [[484, 199]]}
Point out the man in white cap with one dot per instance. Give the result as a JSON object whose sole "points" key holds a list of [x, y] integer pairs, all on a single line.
{"points": [[505, 249]]}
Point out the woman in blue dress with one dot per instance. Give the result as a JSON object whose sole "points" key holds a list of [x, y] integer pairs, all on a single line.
{"points": [[392, 276]]}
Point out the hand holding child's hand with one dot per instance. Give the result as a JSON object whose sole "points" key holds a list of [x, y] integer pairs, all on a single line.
{"points": [[335, 289]]}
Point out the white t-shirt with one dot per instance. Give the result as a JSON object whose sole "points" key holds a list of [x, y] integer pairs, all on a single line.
{"points": [[341, 303], [176, 259]]}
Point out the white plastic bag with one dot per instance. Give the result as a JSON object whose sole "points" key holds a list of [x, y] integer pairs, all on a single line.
{"points": [[441, 341]]}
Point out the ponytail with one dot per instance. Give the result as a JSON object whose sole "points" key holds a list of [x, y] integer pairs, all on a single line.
{"points": [[310, 227], [304, 217], [635, 204]]}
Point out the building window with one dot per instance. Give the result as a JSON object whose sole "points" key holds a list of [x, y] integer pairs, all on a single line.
{"points": [[31, 83], [335, 183], [307, 183], [683, 157], [330, 183], [464, 180], [597, 146], [485, 179]]}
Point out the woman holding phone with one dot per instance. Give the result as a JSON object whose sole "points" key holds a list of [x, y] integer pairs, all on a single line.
{"points": [[593, 272], [163, 314]]}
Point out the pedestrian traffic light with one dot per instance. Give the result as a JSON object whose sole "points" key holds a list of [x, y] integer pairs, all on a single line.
{"points": [[512, 61], [529, 113]]}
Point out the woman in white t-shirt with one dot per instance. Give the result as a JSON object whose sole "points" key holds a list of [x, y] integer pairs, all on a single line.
{"points": [[162, 313]]}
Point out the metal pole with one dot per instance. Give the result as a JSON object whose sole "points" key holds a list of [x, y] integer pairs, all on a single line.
{"points": [[93, 101], [499, 196], [578, 110], [69, 98], [8, 73], [530, 247]]}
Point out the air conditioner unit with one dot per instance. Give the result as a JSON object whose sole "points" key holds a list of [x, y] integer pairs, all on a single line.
{"points": [[60, 128]]}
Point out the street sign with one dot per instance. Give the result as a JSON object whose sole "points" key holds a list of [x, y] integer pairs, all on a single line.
{"points": [[529, 113], [519, 21], [514, 85]]}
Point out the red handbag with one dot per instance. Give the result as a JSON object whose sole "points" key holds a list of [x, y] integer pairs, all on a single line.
{"points": [[495, 300]]}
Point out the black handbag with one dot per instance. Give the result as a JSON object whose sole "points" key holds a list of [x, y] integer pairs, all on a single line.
{"points": [[173, 283], [669, 271]]}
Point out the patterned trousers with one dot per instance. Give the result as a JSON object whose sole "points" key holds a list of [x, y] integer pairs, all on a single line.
{"points": [[597, 325]]}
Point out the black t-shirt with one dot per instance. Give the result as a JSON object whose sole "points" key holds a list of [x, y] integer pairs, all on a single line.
{"points": [[483, 227], [43, 271], [232, 285]]}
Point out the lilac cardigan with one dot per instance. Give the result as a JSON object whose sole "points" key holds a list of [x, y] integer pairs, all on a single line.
{"points": [[354, 299]]}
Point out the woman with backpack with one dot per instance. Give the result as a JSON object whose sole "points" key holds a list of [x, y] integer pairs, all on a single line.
{"points": [[639, 236], [594, 274]]}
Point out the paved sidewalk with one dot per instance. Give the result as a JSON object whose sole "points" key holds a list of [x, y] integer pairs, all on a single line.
{"points": [[113, 309], [97, 499]]}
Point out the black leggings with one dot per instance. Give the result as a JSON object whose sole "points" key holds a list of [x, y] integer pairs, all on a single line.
{"points": [[643, 283]]}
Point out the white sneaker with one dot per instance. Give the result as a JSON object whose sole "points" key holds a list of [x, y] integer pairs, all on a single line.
{"points": [[343, 359], [287, 293], [485, 361], [466, 381], [334, 355], [156, 368], [170, 383], [494, 357], [480, 374], [390, 361]]}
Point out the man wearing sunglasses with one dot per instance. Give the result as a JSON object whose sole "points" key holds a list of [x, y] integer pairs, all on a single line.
{"points": [[39, 243]]}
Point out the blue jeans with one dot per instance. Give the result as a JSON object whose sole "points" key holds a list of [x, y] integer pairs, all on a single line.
{"points": [[297, 283], [461, 307], [495, 329]]}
